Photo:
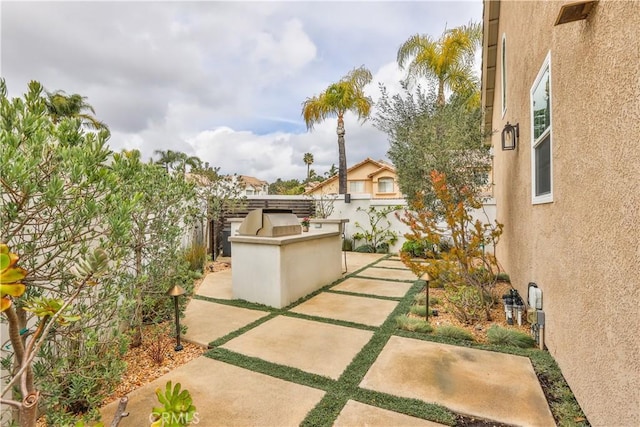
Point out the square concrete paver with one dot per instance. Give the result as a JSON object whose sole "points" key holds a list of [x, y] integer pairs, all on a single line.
{"points": [[367, 311], [357, 260], [383, 288], [355, 414], [225, 395], [391, 263], [388, 273], [496, 386], [217, 285], [315, 347], [207, 321]]}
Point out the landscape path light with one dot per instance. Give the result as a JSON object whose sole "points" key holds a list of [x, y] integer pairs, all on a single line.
{"points": [[176, 291]]}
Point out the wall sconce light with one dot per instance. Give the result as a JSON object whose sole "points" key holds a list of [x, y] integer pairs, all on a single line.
{"points": [[176, 291], [510, 135]]}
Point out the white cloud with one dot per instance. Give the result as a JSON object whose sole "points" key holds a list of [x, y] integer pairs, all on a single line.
{"points": [[221, 80]]}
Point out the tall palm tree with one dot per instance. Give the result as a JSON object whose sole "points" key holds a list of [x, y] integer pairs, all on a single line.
{"points": [[61, 105], [449, 59], [177, 160], [308, 160], [345, 95]]}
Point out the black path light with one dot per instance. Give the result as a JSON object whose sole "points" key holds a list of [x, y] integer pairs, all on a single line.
{"points": [[176, 291], [426, 279]]}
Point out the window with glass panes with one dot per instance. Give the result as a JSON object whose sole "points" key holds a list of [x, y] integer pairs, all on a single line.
{"points": [[541, 159]]}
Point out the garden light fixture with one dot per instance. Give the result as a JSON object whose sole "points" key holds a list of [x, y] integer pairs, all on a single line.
{"points": [[510, 135], [176, 291]]}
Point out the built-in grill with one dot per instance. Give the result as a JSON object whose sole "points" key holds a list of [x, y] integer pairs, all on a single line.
{"points": [[270, 223]]}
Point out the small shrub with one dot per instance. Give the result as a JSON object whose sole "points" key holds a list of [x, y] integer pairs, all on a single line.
{"points": [[382, 248], [419, 248], [368, 249], [347, 244], [420, 298], [502, 336], [418, 310], [157, 346], [454, 332], [196, 256], [503, 277], [413, 324]]}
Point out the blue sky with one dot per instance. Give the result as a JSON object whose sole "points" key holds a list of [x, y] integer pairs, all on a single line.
{"points": [[220, 80]]}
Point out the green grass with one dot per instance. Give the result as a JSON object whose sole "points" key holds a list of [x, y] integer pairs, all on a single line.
{"points": [[413, 324], [454, 333], [510, 337], [564, 407]]}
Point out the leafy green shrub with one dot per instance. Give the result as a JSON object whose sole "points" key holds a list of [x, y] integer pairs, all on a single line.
{"points": [[502, 336], [433, 301], [382, 248], [196, 256], [419, 248], [413, 324], [454, 332], [368, 249], [420, 298]]}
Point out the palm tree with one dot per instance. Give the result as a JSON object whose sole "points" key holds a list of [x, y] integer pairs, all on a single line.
{"points": [[338, 98], [61, 105], [449, 59], [308, 160], [177, 160]]}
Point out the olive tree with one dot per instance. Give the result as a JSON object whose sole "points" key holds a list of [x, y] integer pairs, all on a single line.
{"points": [[60, 201]]}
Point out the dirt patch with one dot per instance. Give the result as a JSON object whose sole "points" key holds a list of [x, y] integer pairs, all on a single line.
{"points": [[446, 314]]}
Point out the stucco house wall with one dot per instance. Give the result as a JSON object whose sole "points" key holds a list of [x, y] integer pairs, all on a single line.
{"points": [[583, 248], [369, 172]]}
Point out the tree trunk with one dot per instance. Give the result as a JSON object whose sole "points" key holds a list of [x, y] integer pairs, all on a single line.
{"points": [[342, 157], [136, 318], [440, 101]]}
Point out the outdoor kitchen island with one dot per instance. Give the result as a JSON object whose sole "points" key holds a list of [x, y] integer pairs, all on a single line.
{"points": [[275, 264]]}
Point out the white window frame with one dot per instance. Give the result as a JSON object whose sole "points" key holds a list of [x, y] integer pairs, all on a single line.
{"points": [[535, 142], [503, 74], [389, 180]]}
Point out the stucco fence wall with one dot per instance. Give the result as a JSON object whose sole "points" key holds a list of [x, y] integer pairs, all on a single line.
{"points": [[350, 211]]}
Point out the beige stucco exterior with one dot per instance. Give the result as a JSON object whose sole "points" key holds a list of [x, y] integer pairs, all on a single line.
{"points": [[583, 248], [369, 172]]}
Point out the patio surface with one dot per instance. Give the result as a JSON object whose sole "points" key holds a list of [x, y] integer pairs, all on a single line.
{"points": [[307, 340]]}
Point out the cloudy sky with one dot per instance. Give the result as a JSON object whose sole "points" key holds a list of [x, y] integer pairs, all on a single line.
{"points": [[220, 80]]}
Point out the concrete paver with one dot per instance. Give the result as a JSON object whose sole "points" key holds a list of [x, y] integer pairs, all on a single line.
{"points": [[490, 385], [391, 263], [314, 347], [496, 386], [207, 321], [367, 311], [383, 288], [356, 414], [217, 285], [357, 260], [225, 395], [388, 273]]}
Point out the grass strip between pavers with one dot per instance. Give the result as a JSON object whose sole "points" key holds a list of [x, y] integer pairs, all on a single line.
{"points": [[360, 294], [275, 370], [347, 386]]}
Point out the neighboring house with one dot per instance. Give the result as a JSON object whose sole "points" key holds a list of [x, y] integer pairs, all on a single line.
{"points": [[569, 193], [254, 186], [375, 178]]}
